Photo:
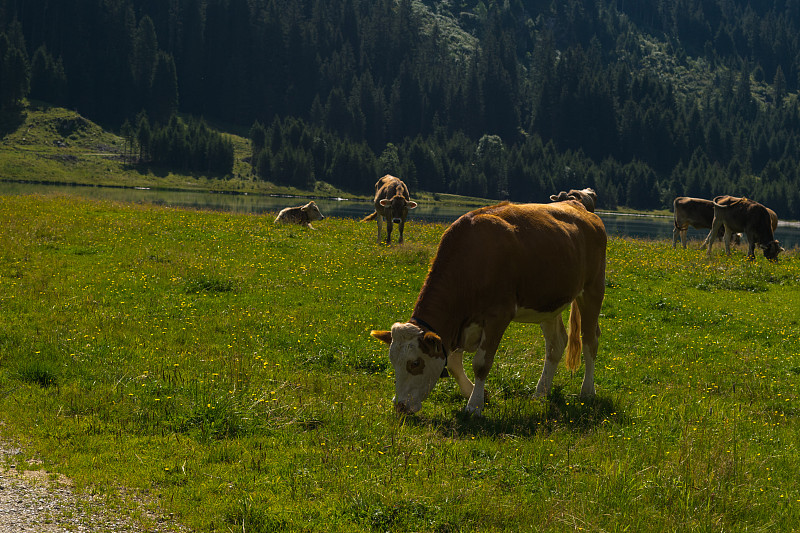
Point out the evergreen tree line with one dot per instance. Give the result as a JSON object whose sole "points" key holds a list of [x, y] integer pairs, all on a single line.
{"points": [[522, 100], [183, 145]]}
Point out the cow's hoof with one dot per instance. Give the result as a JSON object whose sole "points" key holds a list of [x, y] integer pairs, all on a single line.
{"points": [[541, 391], [474, 411]]}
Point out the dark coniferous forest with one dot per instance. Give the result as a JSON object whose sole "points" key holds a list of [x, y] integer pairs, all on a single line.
{"points": [[517, 99]]}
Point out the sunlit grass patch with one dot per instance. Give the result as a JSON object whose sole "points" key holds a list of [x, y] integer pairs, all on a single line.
{"points": [[206, 283], [226, 365]]}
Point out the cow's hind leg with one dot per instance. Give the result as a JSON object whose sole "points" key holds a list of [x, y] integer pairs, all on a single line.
{"points": [[555, 340], [712, 234], [679, 233], [589, 304], [684, 232], [378, 218]]}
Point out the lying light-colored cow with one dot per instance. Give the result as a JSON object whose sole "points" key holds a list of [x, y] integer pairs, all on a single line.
{"points": [[392, 202], [495, 265], [302, 215], [585, 196], [749, 217]]}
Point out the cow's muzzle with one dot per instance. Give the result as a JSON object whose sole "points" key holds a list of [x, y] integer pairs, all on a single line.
{"points": [[396, 220], [402, 408]]}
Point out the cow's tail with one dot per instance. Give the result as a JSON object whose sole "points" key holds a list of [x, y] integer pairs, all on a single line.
{"points": [[369, 217], [574, 341]]}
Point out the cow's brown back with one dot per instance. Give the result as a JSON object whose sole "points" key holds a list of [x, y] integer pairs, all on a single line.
{"points": [[533, 256], [387, 188]]}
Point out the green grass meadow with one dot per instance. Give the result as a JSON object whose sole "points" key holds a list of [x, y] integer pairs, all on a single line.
{"points": [[221, 368]]}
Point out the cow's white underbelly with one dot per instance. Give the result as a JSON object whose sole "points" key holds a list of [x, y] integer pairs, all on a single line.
{"points": [[472, 336], [535, 317]]}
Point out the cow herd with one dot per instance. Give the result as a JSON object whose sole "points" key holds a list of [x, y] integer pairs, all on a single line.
{"points": [[521, 263], [728, 217]]}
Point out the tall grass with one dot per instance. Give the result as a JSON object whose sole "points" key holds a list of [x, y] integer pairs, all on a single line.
{"points": [[224, 365]]}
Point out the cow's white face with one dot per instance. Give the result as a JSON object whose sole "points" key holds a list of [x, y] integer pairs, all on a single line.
{"points": [[312, 211], [397, 208], [418, 360]]}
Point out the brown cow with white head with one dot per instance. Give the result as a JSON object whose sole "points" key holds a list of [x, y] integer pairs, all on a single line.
{"points": [[495, 265], [585, 196], [392, 202], [749, 217]]}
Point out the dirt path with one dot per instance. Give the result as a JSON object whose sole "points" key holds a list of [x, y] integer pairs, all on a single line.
{"points": [[35, 501]]}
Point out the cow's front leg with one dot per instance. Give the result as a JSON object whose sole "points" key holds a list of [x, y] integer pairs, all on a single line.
{"points": [[481, 365], [401, 226], [455, 364], [555, 340], [389, 230]]}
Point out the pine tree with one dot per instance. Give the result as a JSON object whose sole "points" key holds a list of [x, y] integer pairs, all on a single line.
{"points": [[779, 87], [14, 73], [144, 54], [163, 88]]}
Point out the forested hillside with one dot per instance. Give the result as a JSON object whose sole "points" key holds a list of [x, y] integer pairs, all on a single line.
{"points": [[516, 99]]}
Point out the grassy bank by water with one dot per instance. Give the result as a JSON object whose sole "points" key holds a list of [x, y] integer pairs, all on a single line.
{"points": [[45, 144], [223, 366]]}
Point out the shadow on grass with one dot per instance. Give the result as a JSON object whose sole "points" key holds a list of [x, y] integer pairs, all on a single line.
{"points": [[11, 120], [525, 417]]}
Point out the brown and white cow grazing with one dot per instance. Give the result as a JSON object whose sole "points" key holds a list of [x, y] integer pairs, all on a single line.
{"points": [[749, 217], [392, 202], [585, 196], [302, 215], [495, 265]]}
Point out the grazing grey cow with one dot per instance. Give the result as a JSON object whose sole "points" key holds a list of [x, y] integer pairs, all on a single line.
{"points": [[749, 217], [695, 212], [585, 196], [392, 202], [495, 265], [302, 215]]}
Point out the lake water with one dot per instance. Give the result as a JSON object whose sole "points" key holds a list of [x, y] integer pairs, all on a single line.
{"points": [[648, 227]]}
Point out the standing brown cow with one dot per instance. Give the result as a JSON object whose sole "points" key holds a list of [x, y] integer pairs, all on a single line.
{"points": [[695, 212], [749, 217], [392, 202], [495, 265]]}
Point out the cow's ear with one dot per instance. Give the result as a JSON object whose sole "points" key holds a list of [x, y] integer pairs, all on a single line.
{"points": [[385, 336], [385, 202], [432, 345], [411, 205]]}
